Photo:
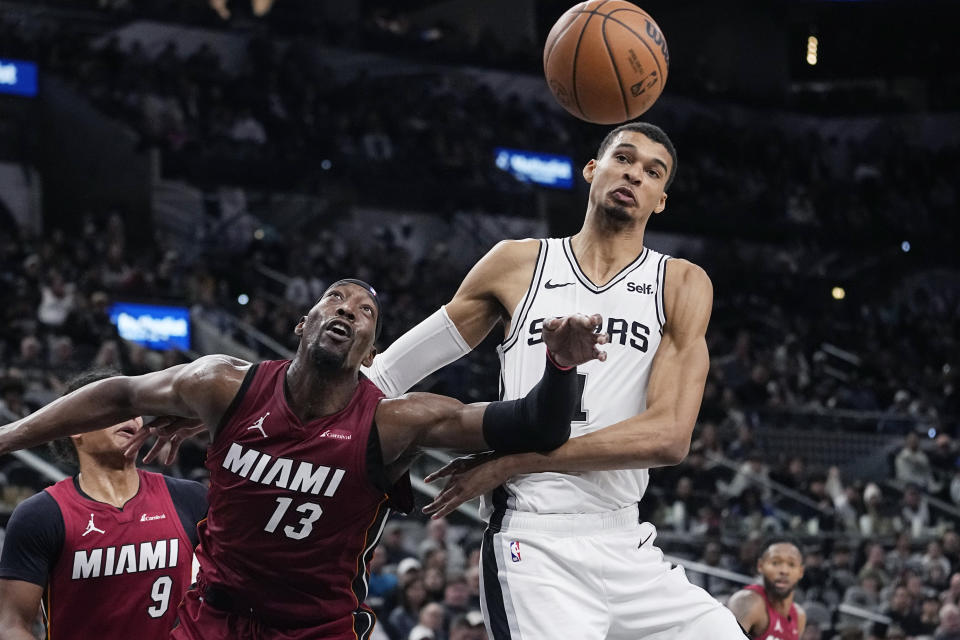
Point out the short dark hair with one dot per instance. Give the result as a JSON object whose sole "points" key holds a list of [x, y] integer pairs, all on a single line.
{"points": [[653, 132], [781, 538], [63, 448]]}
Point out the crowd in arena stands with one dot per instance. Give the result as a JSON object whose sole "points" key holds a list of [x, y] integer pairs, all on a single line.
{"points": [[56, 292], [287, 122]]}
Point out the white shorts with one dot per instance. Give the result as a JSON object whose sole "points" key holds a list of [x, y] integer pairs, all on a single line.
{"points": [[590, 577]]}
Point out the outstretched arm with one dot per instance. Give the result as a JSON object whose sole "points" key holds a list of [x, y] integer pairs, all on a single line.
{"points": [[201, 389], [485, 297], [537, 422]]}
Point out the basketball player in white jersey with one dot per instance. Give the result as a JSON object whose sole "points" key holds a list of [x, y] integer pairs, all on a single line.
{"points": [[564, 555]]}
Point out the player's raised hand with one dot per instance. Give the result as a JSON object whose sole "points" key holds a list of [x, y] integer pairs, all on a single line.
{"points": [[468, 477], [170, 432], [574, 339]]}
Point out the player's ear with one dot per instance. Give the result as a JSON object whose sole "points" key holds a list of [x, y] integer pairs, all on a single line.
{"points": [[298, 330], [662, 204], [370, 356], [588, 170]]}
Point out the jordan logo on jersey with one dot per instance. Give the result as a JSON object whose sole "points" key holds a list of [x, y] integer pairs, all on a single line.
{"points": [[128, 558], [280, 472], [259, 424], [91, 528]]}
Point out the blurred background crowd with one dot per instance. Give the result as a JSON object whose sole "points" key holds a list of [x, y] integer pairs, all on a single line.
{"points": [[251, 153]]}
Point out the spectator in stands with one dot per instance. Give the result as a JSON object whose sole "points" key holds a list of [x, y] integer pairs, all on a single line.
{"points": [[468, 626], [56, 300], [12, 406], [915, 512], [952, 593], [438, 538], [456, 598], [911, 464], [430, 623], [382, 587], [394, 544], [876, 521], [951, 548], [866, 594], [405, 615], [875, 565], [934, 556], [901, 555], [900, 610], [949, 627]]}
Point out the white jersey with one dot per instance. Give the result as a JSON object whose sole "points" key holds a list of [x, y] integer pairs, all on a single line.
{"points": [[631, 304]]}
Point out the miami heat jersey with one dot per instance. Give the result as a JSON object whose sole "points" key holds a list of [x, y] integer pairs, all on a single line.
{"points": [[138, 558], [294, 516], [780, 627], [631, 304]]}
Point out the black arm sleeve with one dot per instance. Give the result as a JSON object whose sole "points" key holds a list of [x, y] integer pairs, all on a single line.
{"points": [[34, 539], [190, 500], [539, 421]]}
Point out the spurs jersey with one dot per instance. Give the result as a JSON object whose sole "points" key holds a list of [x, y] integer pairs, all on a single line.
{"points": [[631, 304]]}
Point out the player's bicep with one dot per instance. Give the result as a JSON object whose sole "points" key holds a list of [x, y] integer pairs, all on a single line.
{"points": [[479, 303], [746, 608], [19, 606]]}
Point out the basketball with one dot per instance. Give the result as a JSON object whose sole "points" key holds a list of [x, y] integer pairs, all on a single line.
{"points": [[606, 61]]}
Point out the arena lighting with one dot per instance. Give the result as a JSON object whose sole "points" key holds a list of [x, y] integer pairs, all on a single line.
{"points": [[838, 293], [326, 165], [18, 77], [258, 234], [905, 246], [546, 169], [243, 299], [153, 326], [812, 44]]}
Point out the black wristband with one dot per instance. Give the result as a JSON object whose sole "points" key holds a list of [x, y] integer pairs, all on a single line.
{"points": [[539, 421]]}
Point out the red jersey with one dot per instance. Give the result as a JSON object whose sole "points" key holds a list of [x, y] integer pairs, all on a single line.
{"points": [[294, 515], [779, 627], [137, 558]]}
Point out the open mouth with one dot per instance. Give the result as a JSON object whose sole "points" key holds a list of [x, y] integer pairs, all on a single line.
{"points": [[340, 329], [127, 430], [624, 195]]}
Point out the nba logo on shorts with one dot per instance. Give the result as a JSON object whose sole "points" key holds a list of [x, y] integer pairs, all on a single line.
{"points": [[515, 550]]}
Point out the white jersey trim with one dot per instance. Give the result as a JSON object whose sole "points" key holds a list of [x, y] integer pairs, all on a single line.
{"points": [[520, 317], [587, 282]]}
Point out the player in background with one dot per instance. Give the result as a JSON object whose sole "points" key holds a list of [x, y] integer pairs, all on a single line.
{"points": [[564, 555], [306, 461], [106, 553], [767, 611]]}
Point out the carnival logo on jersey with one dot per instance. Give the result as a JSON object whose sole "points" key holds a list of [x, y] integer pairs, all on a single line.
{"points": [[146, 518], [259, 424], [128, 558], [337, 434], [285, 473], [91, 528], [515, 550]]}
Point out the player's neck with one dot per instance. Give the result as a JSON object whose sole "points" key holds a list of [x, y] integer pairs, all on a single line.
{"points": [[313, 394], [602, 253], [109, 484], [781, 605]]}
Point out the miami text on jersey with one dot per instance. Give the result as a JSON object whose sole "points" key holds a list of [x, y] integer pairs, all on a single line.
{"points": [[306, 477], [128, 558]]}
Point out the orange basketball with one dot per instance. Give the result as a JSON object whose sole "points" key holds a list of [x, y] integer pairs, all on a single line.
{"points": [[606, 61]]}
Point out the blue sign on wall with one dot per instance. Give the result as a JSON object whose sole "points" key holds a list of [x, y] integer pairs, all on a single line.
{"points": [[18, 77], [153, 326], [542, 168]]}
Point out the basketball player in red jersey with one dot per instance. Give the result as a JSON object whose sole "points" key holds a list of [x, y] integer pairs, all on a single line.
{"points": [[767, 611], [107, 551], [306, 461]]}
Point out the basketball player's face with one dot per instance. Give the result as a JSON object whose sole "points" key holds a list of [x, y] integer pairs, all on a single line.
{"points": [[339, 331], [109, 441], [627, 184], [781, 566]]}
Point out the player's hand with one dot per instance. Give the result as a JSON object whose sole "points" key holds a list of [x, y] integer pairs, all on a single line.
{"points": [[574, 340], [170, 432], [469, 477]]}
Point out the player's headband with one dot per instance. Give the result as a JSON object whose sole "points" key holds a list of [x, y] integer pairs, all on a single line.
{"points": [[373, 294]]}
